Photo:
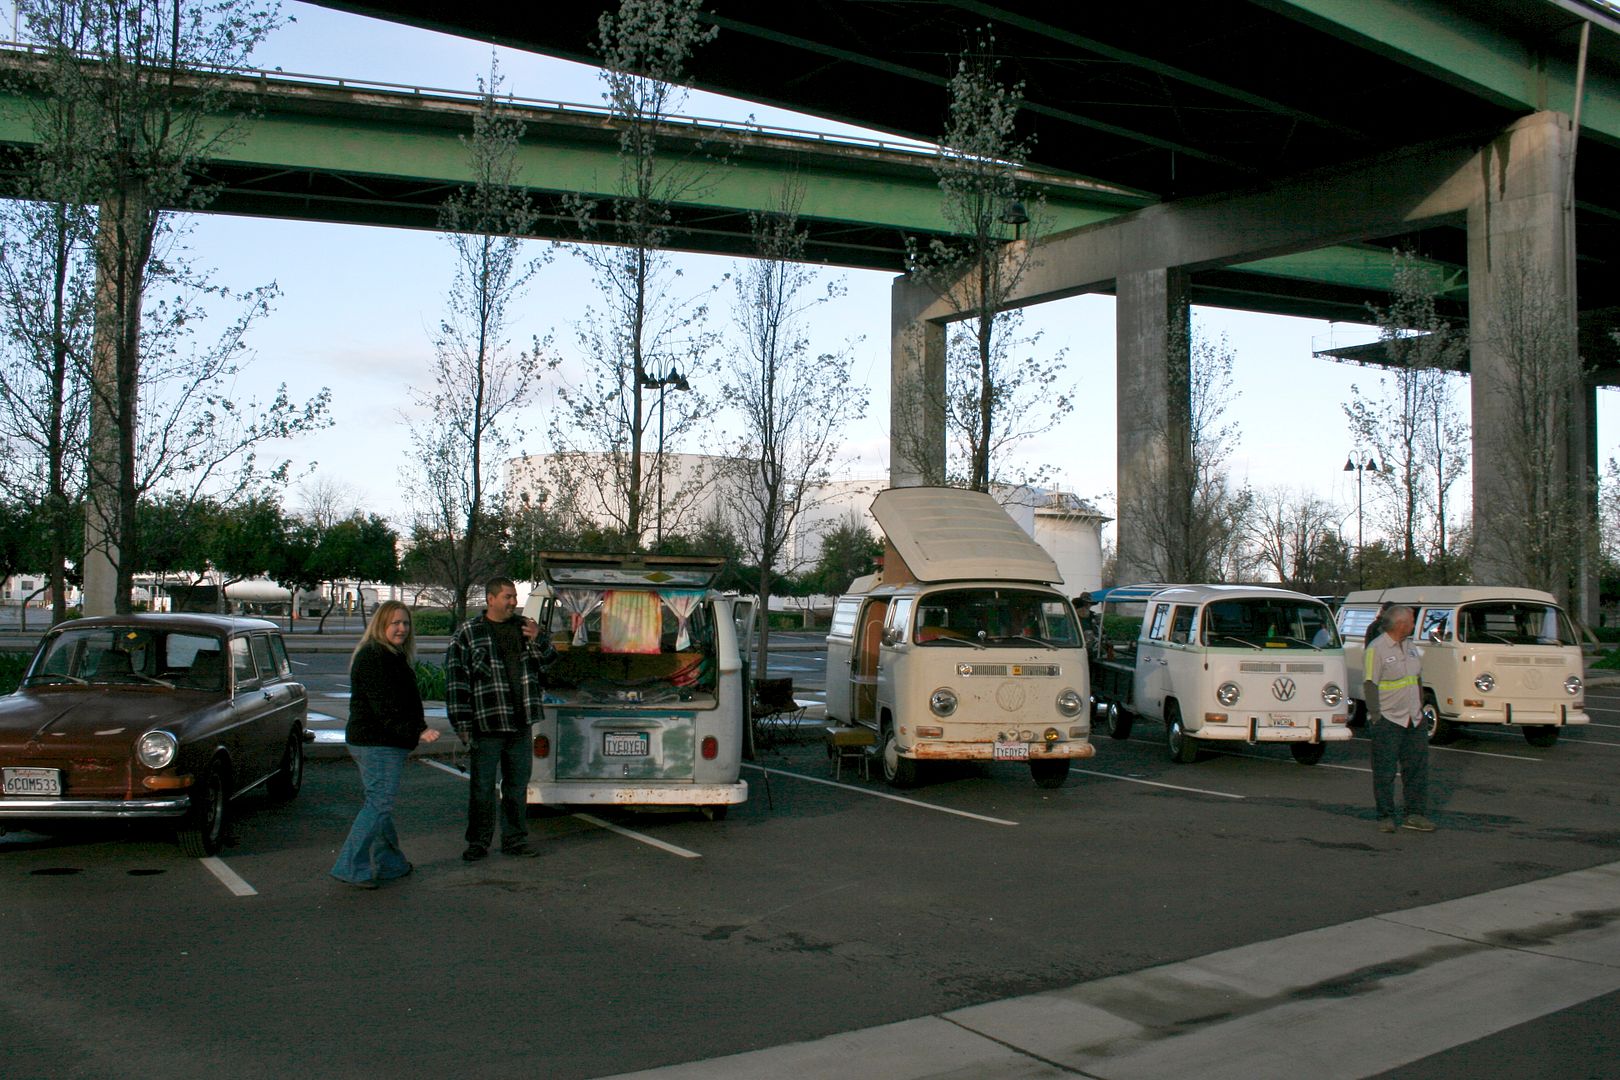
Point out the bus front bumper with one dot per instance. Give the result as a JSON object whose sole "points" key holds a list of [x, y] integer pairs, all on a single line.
{"points": [[934, 750], [606, 793], [1254, 730]]}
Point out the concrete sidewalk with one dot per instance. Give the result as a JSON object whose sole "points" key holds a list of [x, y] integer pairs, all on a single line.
{"points": [[1351, 1000]]}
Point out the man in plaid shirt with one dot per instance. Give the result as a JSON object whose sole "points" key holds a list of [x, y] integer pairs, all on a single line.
{"points": [[492, 693]]}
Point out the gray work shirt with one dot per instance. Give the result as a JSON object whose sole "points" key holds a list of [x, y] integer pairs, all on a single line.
{"points": [[1394, 668]]}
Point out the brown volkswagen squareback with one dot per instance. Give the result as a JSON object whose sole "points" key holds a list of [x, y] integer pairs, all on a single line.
{"points": [[152, 716]]}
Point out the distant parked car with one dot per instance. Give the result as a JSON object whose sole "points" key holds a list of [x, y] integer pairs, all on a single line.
{"points": [[152, 716]]}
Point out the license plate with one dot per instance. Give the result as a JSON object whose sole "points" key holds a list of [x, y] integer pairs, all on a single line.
{"points": [[1282, 720], [1010, 751], [32, 782], [625, 744]]}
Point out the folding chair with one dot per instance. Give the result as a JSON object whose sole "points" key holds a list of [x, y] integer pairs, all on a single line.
{"points": [[775, 712]]}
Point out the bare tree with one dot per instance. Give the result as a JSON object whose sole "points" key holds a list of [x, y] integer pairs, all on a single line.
{"points": [[1195, 529], [795, 404], [1292, 532], [1415, 426], [645, 334], [134, 97], [994, 398], [464, 431]]}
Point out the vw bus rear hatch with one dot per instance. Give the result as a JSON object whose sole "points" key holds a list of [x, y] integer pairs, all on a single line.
{"points": [[574, 570]]}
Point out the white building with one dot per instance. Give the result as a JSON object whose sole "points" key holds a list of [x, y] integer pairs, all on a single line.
{"points": [[1068, 527]]}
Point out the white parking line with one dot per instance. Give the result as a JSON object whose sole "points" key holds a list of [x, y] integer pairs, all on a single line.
{"points": [[1456, 750], [880, 795], [1155, 783], [1289, 761], [598, 822], [228, 877], [1576, 739]]}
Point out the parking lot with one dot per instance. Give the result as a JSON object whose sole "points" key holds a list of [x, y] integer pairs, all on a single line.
{"points": [[817, 907]]}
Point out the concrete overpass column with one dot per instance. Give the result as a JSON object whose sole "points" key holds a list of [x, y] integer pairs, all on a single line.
{"points": [[916, 388], [1152, 355], [1531, 408]]}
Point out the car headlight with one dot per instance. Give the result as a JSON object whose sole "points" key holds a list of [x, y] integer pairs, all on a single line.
{"points": [[1069, 703], [1485, 681], [1228, 693], [1572, 685], [942, 701], [156, 749], [1332, 695]]}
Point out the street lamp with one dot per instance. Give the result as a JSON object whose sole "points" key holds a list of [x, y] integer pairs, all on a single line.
{"points": [[670, 380], [1354, 464], [1016, 215]]}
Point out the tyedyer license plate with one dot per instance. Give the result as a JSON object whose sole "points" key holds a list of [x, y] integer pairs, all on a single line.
{"points": [[1010, 751], [625, 744], [31, 781], [1282, 719]]}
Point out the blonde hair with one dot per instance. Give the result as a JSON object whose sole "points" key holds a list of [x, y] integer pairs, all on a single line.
{"points": [[381, 616]]}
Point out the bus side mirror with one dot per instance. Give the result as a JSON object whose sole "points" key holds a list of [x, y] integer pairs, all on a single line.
{"points": [[891, 636]]}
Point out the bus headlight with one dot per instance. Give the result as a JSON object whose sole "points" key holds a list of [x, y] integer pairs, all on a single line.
{"points": [[1572, 685], [1069, 702], [1228, 693], [1485, 681], [942, 701], [1332, 695]]}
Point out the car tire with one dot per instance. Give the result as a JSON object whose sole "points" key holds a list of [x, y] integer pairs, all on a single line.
{"points": [[1541, 734], [1182, 746], [202, 830], [899, 772], [1441, 731], [1117, 721], [1358, 714], [1049, 774], [1307, 753], [287, 780], [714, 813]]}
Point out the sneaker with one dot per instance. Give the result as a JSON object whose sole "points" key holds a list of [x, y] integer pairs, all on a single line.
{"points": [[368, 883], [1386, 824], [403, 873], [523, 850], [474, 852], [1418, 823]]}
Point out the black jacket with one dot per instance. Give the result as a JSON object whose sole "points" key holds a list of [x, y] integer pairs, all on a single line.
{"points": [[385, 707]]}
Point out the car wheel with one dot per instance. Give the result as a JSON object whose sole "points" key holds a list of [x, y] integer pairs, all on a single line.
{"points": [[715, 813], [202, 831], [1358, 714], [1441, 730], [1183, 747], [1308, 753], [1117, 721], [287, 780], [1049, 774], [1541, 734], [900, 772]]}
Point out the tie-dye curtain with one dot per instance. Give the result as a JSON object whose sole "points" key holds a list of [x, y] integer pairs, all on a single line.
{"points": [[579, 603], [681, 602], [631, 621]]}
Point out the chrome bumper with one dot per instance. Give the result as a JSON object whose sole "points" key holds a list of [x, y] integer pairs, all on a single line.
{"points": [[12, 806]]}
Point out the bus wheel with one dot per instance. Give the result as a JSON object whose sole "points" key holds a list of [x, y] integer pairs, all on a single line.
{"points": [[1049, 774], [1307, 753], [1358, 714], [900, 772], [1541, 734], [1117, 720], [1441, 730], [1183, 747], [715, 813]]}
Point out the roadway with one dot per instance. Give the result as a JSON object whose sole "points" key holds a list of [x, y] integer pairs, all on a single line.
{"points": [[1241, 912]]}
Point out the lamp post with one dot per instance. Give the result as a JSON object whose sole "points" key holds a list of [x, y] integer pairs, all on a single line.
{"points": [[1354, 464], [670, 380], [1015, 214]]}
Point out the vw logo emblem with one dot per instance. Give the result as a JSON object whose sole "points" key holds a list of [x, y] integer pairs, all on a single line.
{"points": [[1283, 688]]}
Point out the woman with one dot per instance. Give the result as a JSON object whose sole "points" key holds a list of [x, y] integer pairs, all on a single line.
{"points": [[385, 722]]}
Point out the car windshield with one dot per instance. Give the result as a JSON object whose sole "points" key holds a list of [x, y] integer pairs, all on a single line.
{"points": [[995, 618], [1515, 622], [1269, 623], [129, 655]]}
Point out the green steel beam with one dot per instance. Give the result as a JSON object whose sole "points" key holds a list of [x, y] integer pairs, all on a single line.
{"points": [[1446, 43]]}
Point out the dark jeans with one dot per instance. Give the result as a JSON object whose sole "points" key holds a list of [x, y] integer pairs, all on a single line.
{"points": [[512, 757], [1408, 746]]}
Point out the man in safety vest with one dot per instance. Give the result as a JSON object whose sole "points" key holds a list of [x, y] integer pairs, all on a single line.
{"points": [[1395, 720]]}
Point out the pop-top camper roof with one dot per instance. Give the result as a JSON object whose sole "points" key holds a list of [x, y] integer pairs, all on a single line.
{"points": [[951, 534]]}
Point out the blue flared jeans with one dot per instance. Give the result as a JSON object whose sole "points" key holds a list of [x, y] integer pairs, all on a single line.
{"points": [[371, 853]]}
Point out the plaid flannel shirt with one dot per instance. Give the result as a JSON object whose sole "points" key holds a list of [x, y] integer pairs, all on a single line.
{"points": [[477, 693]]}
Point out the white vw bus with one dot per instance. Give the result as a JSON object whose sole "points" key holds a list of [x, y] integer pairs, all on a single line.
{"points": [[960, 649], [1241, 664], [1491, 655], [645, 704]]}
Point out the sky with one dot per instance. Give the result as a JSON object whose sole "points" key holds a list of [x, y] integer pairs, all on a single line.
{"points": [[358, 305]]}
